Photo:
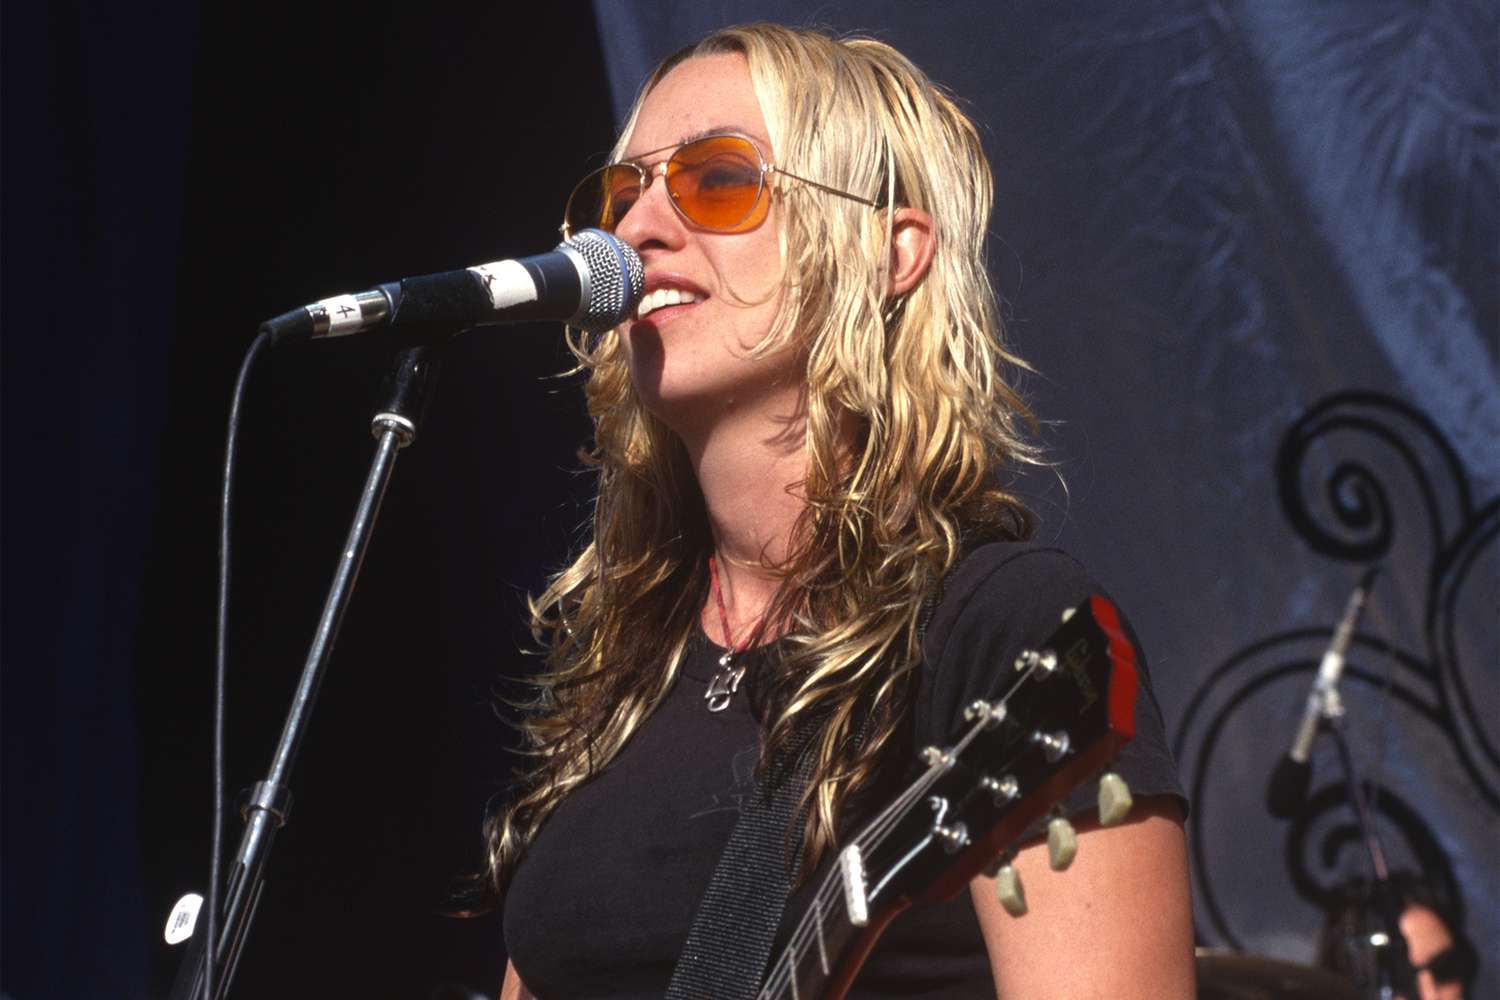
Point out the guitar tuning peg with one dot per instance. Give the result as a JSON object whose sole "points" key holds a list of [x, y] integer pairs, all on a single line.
{"points": [[1009, 890], [1062, 843], [992, 870], [1114, 799], [1068, 614]]}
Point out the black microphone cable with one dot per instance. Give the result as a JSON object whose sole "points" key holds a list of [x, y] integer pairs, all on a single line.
{"points": [[221, 659]]}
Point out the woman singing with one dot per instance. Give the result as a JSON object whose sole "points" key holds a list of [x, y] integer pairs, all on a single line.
{"points": [[801, 436]]}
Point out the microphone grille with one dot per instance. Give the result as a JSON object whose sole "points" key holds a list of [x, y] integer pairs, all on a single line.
{"points": [[616, 278]]}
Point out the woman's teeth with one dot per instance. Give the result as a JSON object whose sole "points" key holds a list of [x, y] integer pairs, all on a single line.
{"points": [[652, 301]]}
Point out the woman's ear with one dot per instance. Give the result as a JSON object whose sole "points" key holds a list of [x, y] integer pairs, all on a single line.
{"points": [[911, 249]]}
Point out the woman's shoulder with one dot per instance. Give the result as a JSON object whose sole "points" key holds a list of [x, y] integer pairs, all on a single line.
{"points": [[1006, 597], [1005, 591], [1002, 598]]}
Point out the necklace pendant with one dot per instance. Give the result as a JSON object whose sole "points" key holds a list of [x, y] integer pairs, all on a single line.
{"points": [[721, 690]]}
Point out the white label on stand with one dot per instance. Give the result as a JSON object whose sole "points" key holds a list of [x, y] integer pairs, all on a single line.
{"points": [[184, 918]]}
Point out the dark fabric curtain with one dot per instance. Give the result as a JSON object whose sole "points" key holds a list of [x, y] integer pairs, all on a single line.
{"points": [[172, 176], [1251, 248], [95, 154]]}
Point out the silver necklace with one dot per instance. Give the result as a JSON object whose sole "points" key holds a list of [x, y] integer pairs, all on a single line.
{"points": [[725, 683]]}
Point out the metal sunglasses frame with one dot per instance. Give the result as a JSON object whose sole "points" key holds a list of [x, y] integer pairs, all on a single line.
{"points": [[647, 175]]}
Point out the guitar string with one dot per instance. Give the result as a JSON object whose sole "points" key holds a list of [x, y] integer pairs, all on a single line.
{"points": [[876, 831], [868, 838], [872, 836], [831, 902]]}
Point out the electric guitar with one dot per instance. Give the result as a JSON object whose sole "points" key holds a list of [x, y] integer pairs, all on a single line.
{"points": [[1065, 713]]}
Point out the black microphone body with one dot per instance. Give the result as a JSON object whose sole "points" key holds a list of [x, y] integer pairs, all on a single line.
{"points": [[591, 282], [1288, 788], [1293, 774]]}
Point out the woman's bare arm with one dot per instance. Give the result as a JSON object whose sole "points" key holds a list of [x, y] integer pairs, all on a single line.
{"points": [[1118, 923], [513, 988]]}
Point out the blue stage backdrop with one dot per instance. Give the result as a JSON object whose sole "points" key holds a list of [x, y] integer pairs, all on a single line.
{"points": [[1251, 248]]}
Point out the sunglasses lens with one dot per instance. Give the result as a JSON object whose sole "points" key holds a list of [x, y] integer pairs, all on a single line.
{"points": [[602, 198], [716, 182]]}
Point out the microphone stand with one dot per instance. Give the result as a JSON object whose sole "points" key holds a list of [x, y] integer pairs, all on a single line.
{"points": [[394, 426], [1392, 963]]}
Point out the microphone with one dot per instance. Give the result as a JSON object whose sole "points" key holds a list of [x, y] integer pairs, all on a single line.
{"points": [[593, 281], [1289, 781]]}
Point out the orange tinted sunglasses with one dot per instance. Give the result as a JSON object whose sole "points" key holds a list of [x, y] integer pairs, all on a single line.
{"points": [[717, 183]]}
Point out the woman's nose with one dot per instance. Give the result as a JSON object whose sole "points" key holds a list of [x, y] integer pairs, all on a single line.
{"points": [[652, 220]]}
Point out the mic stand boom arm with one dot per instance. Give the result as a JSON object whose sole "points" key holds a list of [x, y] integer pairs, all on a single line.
{"points": [[394, 427], [1393, 965]]}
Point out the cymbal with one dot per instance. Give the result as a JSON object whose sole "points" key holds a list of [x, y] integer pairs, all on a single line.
{"points": [[1228, 975]]}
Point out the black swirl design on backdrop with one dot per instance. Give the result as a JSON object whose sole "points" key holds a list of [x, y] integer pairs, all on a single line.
{"points": [[1327, 823], [1354, 521], [1340, 503]]}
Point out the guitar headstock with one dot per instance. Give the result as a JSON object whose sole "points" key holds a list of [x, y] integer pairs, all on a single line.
{"points": [[1066, 710], [1063, 713]]}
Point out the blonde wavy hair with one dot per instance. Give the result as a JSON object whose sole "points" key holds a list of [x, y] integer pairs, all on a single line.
{"points": [[918, 376]]}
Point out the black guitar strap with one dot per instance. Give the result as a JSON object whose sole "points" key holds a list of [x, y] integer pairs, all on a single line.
{"points": [[732, 932], [730, 939]]}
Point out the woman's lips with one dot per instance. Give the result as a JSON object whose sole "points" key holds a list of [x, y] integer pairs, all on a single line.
{"points": [[668, 295], [668, 298]]}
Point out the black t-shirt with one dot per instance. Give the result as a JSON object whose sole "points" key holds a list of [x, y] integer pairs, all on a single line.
{"points": [[601, 902]]}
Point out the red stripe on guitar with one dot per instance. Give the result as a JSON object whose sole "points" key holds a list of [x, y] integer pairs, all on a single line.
{"points": [[1126, 679]]}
